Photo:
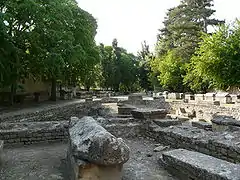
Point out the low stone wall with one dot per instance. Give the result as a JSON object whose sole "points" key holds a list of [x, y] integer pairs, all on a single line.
{"points": [[156, 103], [205, 110], [193, 165], [1, 151], [221, 145], [35, 132], [59, 112], [123, 127]]}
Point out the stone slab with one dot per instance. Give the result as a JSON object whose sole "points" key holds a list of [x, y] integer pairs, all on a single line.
{"points": [[149, 113], [220, 145], [91, 142], [194, 165], [1, 151], [135, 98], [183, 118], [125, 110], [202, 125], [83, 170], [167, 122], [225, 120]]}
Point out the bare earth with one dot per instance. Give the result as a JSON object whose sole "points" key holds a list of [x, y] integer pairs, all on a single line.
{"points": [[48, 162]]}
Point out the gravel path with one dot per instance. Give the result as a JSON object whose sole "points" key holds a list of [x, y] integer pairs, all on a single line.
{"points": [[143, 163], [48, 162]]}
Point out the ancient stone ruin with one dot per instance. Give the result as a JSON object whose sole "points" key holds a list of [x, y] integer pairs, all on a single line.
{"points": [[116, 138], [93, 152]]}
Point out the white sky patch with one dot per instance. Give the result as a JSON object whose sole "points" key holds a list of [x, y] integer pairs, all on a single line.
{"points": [[133, 21]]}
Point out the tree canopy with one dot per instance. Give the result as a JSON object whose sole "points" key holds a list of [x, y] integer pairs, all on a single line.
{"points": [[217, 60], [179, 39], [51, 39]]}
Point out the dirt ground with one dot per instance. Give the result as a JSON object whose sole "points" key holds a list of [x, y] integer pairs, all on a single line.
{"points": [[48, 162]]}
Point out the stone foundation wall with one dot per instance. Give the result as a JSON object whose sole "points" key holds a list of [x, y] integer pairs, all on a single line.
{"points": [[60, 112], [188, 165], [156, 103], [221, 145], [206, 111], [33, 132]]}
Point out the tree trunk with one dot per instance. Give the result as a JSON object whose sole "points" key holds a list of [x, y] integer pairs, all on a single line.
{"points": [[88, 88], [53, 96], [12, 93]]}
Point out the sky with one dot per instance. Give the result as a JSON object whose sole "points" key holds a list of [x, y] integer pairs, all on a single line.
{"points": [[133, 21]]}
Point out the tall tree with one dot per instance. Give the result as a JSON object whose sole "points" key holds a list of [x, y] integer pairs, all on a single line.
{"points": [[182, 30], [217, 60], [144, 57], [17, 22], [49, 39]]}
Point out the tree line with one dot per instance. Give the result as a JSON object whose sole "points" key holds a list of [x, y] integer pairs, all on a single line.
{"points": [[53, 41], [45, 39], [188, 57]]}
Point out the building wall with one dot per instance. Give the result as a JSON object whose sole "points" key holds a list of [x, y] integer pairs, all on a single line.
{"points": [[32, 86]]}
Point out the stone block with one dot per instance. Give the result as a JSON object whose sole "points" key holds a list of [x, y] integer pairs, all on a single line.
{"points": [[216, 103], [199, 97], [135, 98], [182, 118], [91, 142], [167, 122], [223, 123], [189, 97], [174, 96], [149, 113], [109, 100], [88, 99], [193, 165], [202, 125], [82, 170], [224, 98], [1, 151], [210, 97], [125, 110]]}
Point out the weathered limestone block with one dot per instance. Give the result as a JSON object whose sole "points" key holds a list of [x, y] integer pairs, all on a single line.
{"points": [[223, 123], [224, 98], [1, 151], [82, 170], [189, 97], [216, 103], [199, 97], [167, 122], [149, 113], [193, 165], [202, 125], [135, 98], [91, 142], [88, 99], [125, 110], [174, 96], [183, 118], [210, 97], [109, 100]]}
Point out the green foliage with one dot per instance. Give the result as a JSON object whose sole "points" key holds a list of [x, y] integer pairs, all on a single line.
{"points": [[145, 78], [171, 70], [119, 68], [218, 58], [49, 39], [182, 31]]}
